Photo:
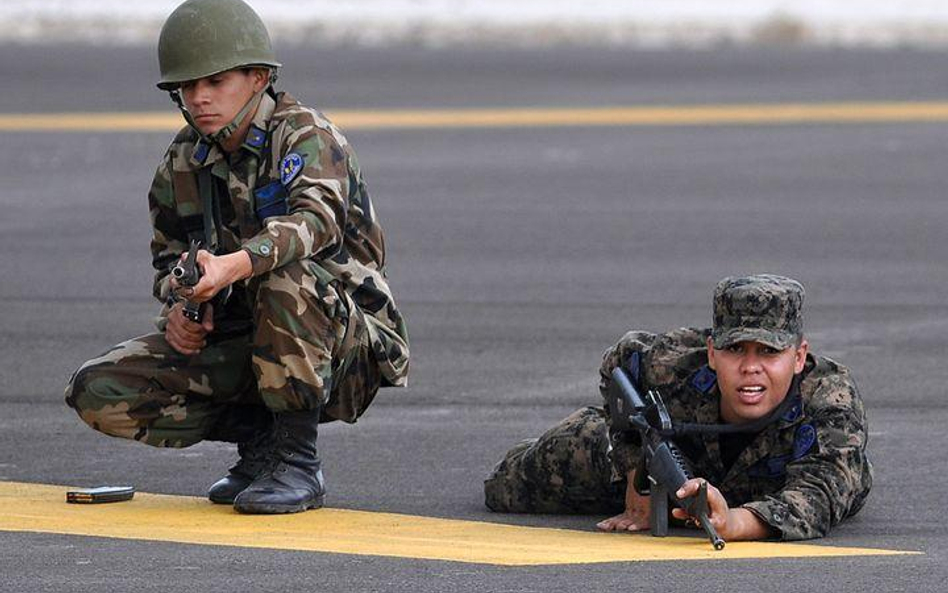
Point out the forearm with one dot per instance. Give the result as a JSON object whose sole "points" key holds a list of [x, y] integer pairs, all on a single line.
{"points": [[634, 500], [824, 486], [626, 451], [220, 271], [299, 235], [637, 512], [744, 525]]}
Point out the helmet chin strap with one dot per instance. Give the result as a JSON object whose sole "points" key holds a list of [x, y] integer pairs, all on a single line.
{"points": [[222, 135], [176, 98]]}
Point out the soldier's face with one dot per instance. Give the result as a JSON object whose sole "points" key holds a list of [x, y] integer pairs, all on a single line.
{"points": [[214, 101], [754, 378]]}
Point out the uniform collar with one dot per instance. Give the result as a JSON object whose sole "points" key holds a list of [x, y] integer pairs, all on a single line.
{"points": [[704, 381], [257, 134], [206, 153]]}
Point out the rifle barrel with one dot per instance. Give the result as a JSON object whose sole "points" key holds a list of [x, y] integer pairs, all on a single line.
{"points": [[716, 540]]}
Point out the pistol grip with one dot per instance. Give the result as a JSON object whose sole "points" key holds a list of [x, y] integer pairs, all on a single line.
{"points": [[193, 311]]}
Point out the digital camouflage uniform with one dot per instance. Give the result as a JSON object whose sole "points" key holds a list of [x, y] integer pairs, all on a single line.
{"points": [[801, 475], [315, 324]]}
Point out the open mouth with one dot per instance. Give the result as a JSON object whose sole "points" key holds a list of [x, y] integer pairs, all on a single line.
{"points": [[751, 394]]}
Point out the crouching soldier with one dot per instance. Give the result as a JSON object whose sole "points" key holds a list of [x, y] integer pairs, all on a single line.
{"points": [[291, 322]]}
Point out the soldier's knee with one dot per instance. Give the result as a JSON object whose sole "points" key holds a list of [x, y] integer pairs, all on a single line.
{"points": [[96, 397], [294, 290], [300, 321], [74, 387], [78, 394]]}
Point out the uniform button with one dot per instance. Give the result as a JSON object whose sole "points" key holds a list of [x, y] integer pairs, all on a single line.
{"points": [[778, 518], [265, 250]]}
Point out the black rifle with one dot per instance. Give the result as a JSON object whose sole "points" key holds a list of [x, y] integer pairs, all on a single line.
{"points": [[666, 466], [188, 274]]}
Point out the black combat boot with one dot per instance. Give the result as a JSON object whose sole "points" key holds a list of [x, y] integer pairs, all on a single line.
{"points": [[293, 480], [252, 463], [251, 428]]}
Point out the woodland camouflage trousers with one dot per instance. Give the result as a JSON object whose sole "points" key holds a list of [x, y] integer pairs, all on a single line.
{"points": [[308, 347], [566, 470]]}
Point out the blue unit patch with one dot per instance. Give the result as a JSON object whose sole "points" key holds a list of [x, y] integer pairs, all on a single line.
{"points": [[635, 359], [256, 137], [794, 412], [803, 441], [290, 167], [704, 379], [270, 200], [769, 467], [776, 467], [200, 151]]}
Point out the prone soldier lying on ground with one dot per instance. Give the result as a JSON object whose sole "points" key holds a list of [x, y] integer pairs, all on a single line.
{"points": [[799, 471]]}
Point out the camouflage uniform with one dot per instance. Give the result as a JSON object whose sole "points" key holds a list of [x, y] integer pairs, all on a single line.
{"points": [[315, 324], [801, 475]]}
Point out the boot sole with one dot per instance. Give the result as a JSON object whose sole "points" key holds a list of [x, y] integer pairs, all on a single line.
{"points": [[279, 509]]}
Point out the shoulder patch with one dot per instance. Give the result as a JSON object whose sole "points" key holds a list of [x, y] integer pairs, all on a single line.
{"points": [[290, 167], [803, 440], [704, 379]]}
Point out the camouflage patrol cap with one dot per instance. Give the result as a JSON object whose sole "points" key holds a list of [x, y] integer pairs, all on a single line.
{"points": [[762, 308]]}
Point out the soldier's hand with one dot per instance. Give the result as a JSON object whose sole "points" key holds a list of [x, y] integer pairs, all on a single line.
{"points": [[186, 336], [217, 273], [731, 524], [637, 514], [629, 520], [718, 510]]}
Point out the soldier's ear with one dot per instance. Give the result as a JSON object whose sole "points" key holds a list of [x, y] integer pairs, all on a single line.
{"points": [[261, 78], [711, 355], [800, 356]]}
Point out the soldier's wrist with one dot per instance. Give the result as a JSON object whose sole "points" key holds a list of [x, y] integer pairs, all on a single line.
{"points": [[743, 524], [239, 266]]}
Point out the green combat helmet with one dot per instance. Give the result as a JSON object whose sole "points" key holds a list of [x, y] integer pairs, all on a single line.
{"points": [[205, 37]]}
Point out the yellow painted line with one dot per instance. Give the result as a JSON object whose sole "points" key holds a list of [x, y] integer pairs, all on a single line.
{"points": [[689, 115], [156, 517]]}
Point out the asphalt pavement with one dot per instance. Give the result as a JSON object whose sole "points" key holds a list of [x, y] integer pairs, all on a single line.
{"points": [[517, 255]]}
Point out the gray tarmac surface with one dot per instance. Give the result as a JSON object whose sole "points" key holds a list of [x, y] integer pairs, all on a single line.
{"points": [[518, 255]]}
